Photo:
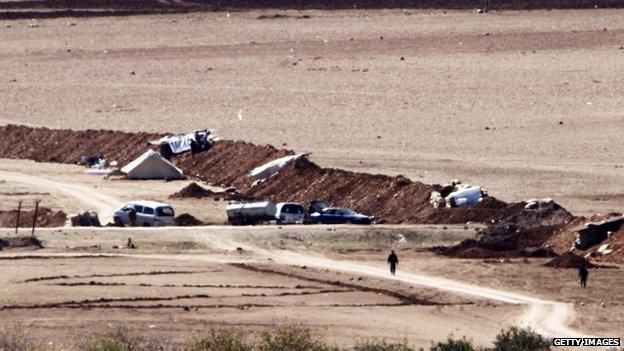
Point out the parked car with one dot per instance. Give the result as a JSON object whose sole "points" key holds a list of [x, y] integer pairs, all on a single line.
{"points": [[267, 211], [148, 214], [339, 215], [289, 213]]}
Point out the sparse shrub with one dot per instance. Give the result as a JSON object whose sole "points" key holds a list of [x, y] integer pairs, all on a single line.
{"points": [[381, 345], [220, 339], [291, 338], [518, 339], [124, 340], [454, 345], [13, 338]]}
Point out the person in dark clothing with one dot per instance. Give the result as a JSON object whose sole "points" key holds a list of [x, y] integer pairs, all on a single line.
{"points": [[583, 273], [132, 216], [393, 261]]}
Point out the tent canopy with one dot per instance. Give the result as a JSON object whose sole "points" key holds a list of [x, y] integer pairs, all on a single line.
{"points": [[151, 165]]}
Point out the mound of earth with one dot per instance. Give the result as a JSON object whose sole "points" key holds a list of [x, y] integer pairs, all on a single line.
{"points": [[227, 163], [523, 233], [569, 260], [20, 242], [194, 190], [68, 146], [45, 218], [187, 220]]}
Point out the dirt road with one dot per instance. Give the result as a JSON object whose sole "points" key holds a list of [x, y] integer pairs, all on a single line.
{"points": [[547, 317], [103, 204]]}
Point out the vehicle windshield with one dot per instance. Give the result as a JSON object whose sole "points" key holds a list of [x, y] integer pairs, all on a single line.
{"points": [[346, 211], [294, 209], [164, 211]]}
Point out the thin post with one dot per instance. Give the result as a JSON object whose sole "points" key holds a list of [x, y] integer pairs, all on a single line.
{"points": [[19, 212], [34, 222]]}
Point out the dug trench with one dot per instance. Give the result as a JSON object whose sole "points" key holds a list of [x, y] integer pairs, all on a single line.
{"points": [[512, 229], [320, 287]]}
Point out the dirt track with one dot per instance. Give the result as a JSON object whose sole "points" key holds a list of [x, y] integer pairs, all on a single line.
{"points": [[104, 204], [547, 317]]}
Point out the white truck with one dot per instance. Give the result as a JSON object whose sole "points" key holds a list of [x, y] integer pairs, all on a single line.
{"points": [[257, 212]]}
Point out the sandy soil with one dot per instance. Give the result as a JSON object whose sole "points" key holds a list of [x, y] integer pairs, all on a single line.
{"points": [[145, 288], [309, 82], [156, 302]]}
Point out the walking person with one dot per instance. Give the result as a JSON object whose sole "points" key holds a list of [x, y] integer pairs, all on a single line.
{"points": [[583, 273], [393, 261]]}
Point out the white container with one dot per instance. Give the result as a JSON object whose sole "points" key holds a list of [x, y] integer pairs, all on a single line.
{"points": [[465, 196], [251, 209]]}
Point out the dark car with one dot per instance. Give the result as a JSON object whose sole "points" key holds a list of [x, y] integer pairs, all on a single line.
{"points": [[339, 215]]}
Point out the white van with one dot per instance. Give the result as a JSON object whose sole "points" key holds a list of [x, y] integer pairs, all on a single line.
{"points": [[289, 213], [148, 214]]}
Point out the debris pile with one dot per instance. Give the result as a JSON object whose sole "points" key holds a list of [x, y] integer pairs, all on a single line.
{"points": [[591, 238], [456, 194], [522, 233], [594, 233], [45, 218], [84, 219], [195, 142], [20, 242], [97, 165]]}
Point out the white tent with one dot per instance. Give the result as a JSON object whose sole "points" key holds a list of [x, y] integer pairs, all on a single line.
{"points": [[151, 165]]}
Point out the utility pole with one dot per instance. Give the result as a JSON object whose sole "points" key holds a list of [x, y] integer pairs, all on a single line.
{"points": [[19, 212], [34, 222]]}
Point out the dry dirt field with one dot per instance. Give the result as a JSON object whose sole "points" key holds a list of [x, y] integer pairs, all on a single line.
{"points": [[527, 104], [162, 289], [433, 95], [181, 281]]}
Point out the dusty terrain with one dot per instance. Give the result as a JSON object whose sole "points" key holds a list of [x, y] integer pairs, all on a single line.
{"points": [[476, 97], [527, 104], [181, 281]]}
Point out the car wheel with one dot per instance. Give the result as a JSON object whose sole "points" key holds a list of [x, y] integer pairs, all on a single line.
{"points": [[118, 223], [146, 225]]}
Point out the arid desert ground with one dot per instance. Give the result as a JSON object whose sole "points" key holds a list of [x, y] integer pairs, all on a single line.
{"points": [[527, 104], [475, 97]]}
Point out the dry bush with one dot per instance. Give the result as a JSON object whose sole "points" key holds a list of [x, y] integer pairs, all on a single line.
{"points": [[291, 338], [14, 338], [220, 339], [518, 339], [381, 345], [122, 339], [454, 345]]}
